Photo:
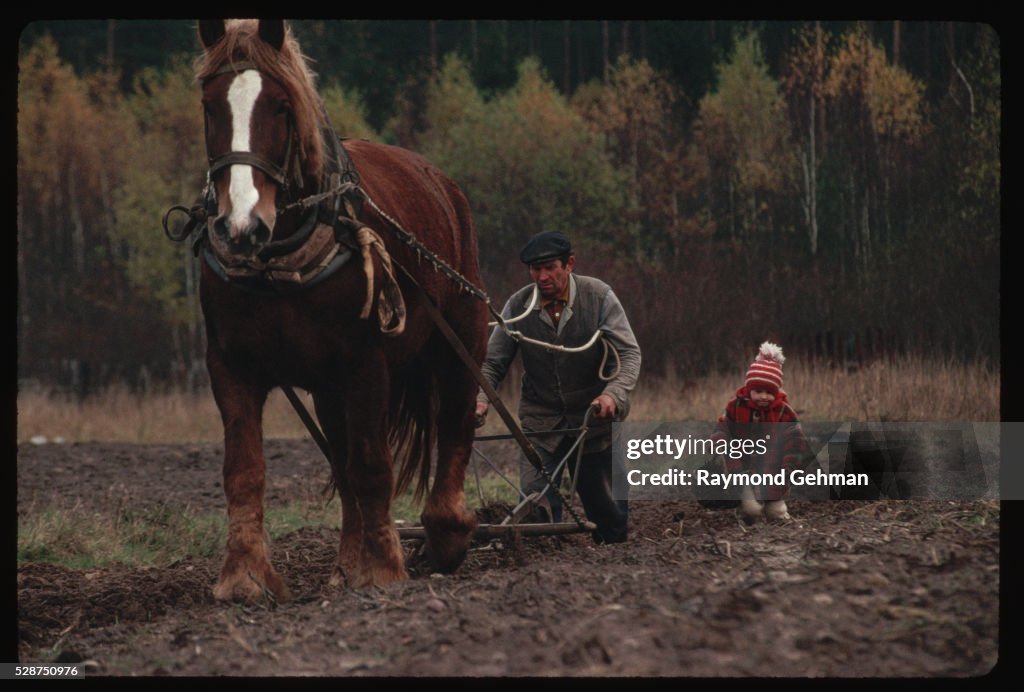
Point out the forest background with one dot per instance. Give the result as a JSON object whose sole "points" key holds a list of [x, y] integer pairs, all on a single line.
{"points": [[833, 186]]}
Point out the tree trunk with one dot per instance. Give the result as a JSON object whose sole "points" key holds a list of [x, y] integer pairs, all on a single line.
{"points": [[24, 324], [605, 67], [475, 45], [732, 210], [111, 26], [504, 44], [852, 224], [566, 58], [896, 42], [178, 369], [433, 49], [812, 179], [77, 226], [819, 76], [865, 231], [582, 75], [634, 162]]}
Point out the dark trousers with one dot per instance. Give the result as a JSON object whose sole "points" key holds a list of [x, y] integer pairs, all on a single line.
{"points": [[594, 487]]}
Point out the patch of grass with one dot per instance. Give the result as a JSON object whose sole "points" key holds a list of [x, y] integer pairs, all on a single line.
{"points": [[981, 513], [151, 535], [160, 534], [280, 521], [492, 489]]}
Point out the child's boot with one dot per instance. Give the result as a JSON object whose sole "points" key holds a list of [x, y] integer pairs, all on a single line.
{"points": [[749, 505], [775, 510]]}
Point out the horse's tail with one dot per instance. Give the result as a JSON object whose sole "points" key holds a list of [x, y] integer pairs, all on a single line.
{"points": [[415, 404]]}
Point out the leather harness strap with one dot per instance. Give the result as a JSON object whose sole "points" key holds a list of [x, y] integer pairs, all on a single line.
{"points": [[247, 158]]}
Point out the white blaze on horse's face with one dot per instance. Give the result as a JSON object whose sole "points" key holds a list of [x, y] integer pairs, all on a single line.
{"points": [[247, 139], [242, 192]]}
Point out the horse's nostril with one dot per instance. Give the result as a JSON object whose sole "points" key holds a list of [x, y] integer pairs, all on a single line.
{"points": [[220, 227], [260, 234], [246, 240]]}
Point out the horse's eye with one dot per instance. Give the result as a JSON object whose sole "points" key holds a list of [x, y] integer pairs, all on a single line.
{"points": [[283, 108]]}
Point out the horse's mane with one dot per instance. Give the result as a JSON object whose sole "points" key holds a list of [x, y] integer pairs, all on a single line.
{"points": [[288, 67]]}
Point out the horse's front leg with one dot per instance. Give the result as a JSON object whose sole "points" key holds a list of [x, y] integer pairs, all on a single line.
{"points": [[246, 573], [369, 474]]}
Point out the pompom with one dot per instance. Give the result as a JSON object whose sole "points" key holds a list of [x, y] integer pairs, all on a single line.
{"points": [[772, 352]]}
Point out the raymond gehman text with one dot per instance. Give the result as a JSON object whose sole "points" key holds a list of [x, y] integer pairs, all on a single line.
{"points": [[726, 480]]}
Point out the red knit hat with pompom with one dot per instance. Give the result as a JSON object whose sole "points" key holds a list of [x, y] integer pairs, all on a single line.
{"points": [[766, 370]]}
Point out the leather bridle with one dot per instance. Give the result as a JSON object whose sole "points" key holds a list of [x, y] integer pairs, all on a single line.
{"points": [[275, 172]]}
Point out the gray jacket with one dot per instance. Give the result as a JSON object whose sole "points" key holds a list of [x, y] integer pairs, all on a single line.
{"points": [[557, 388]]}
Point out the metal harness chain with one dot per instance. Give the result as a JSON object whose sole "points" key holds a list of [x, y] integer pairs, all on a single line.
{"points": [[307, 202], [465, 284], [422, 251]]}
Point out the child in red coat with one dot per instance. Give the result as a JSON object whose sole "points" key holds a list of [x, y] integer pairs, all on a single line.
{"points": [[761, 400]]}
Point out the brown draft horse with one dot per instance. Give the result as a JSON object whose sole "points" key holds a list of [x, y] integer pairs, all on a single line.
{"points": [[380, 399]]}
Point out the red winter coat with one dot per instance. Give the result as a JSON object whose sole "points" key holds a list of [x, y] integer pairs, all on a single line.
{"points": [[743, 420]]}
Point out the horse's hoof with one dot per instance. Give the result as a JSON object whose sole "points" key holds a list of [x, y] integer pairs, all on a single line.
{"points": [[777, 511], [352, 577], [447, 542], [338, 580], [379, 576], [251, 585]]}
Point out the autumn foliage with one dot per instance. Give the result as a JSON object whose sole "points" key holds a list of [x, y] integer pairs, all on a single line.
{"points": [[827, 196]]}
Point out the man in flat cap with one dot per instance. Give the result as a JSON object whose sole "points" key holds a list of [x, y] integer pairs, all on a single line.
{"points": [[557, 386]]}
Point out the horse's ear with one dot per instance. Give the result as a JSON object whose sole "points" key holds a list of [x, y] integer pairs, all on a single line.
{"points": [[272, 31], [210, 31]]}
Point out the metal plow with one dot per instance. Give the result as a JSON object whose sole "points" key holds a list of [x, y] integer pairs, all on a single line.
{"points": [[529, 505]]}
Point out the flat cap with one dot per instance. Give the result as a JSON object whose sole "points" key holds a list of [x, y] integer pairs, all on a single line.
{"points": [[545, 246]]}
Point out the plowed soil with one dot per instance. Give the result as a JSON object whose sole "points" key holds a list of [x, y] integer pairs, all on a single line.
{"points": [[883, 588]]}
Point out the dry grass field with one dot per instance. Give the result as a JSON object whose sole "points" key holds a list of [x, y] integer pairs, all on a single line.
{"points": [[895, 390]]}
